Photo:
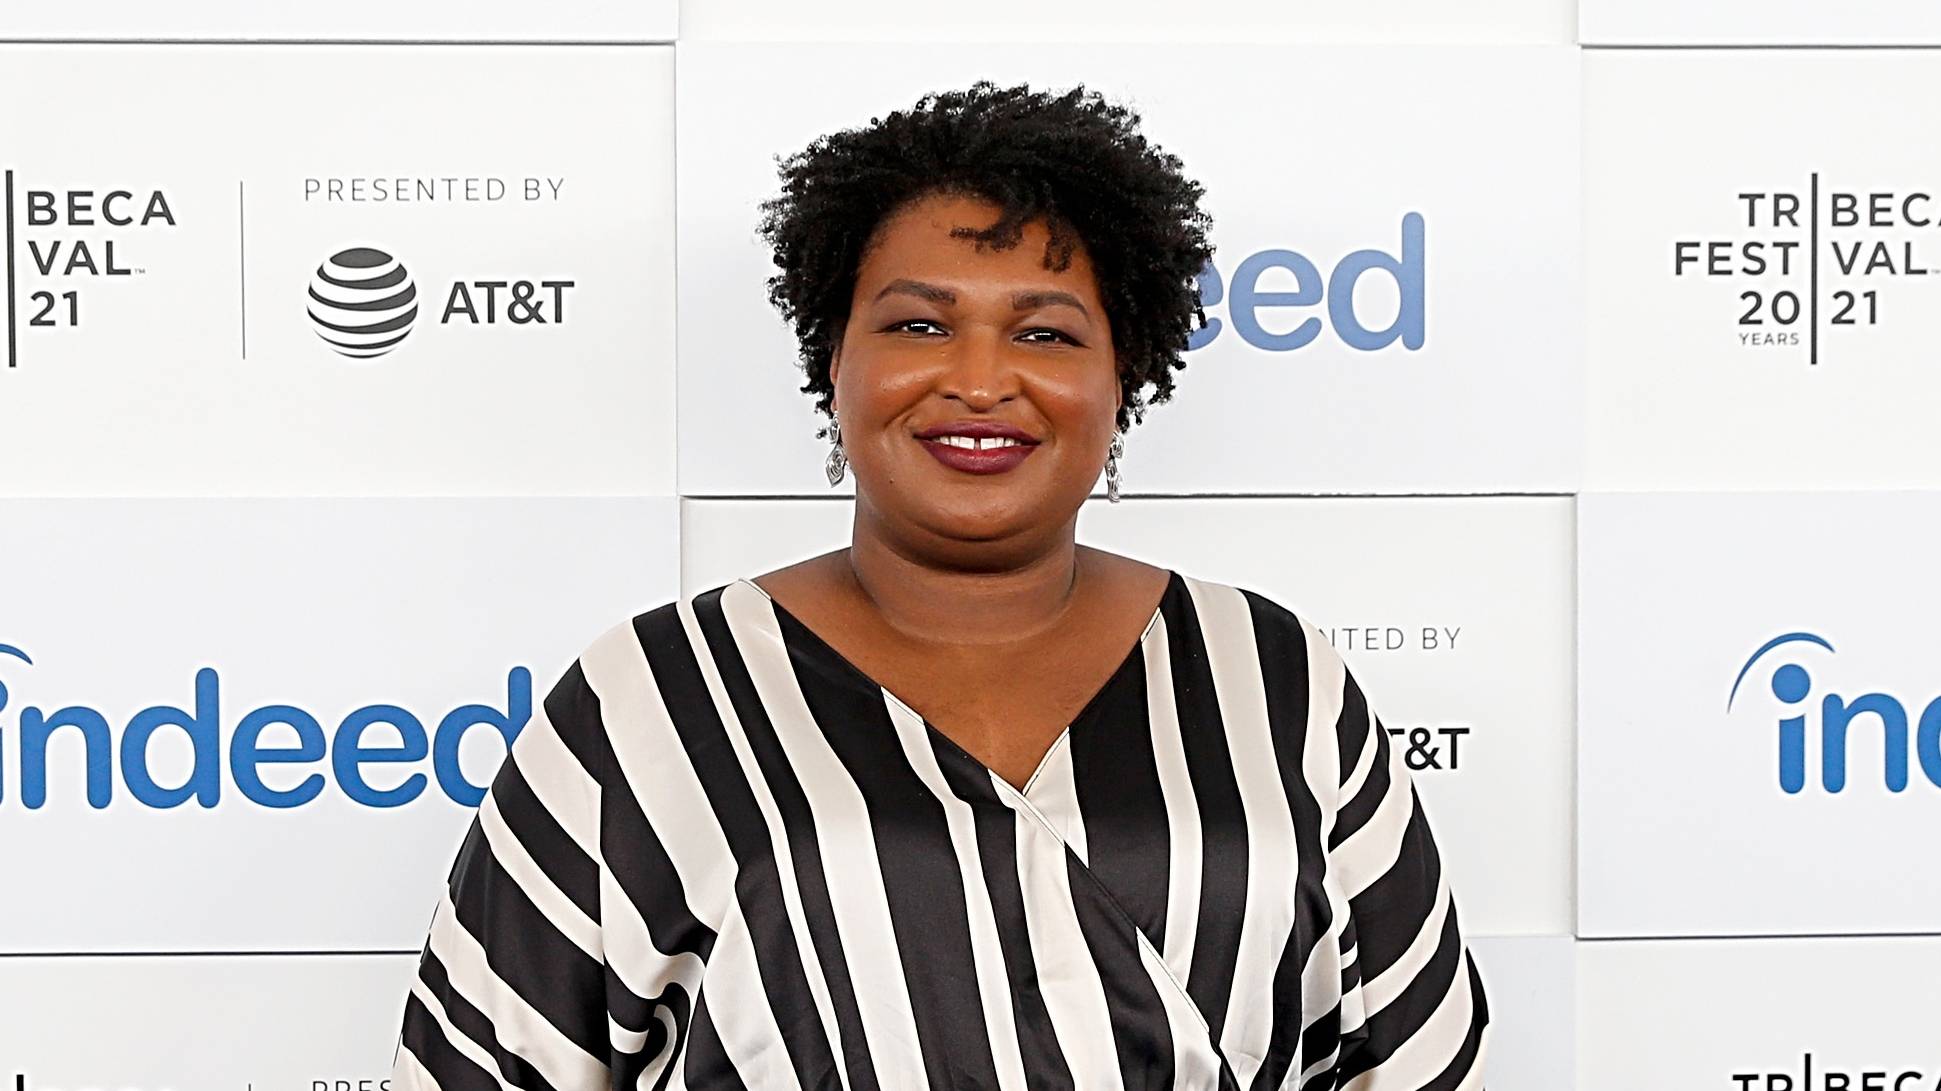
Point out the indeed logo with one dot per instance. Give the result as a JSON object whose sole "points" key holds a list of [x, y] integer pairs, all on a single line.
{"points": [[347, 749], [1793, 684], [1247, 301]]}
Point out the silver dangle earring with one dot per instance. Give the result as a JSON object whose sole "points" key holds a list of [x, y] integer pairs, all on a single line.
{"points": [[837, 462], [1112, 454]]}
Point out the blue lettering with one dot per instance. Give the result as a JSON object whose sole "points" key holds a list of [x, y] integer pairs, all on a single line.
{"points": [[34, 730], [1245, 298], [461, 719], [1836, 714], [1248, 299], [246, 752], [1409, 280], [349, 749], [204, 783], [348, 754], [1928, 740], [1792, 685]]}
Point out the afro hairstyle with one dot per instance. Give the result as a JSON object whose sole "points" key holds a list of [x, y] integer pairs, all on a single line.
{"points": [[1070, 159]]}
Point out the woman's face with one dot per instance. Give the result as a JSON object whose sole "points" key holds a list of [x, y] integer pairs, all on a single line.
{"points": [[977, 390]]}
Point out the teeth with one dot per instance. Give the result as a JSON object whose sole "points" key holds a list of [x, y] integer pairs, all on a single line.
{"points": [[974, 444]]}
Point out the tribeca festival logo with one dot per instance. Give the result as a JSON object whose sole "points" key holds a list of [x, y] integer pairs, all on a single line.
{"points": [[1830, 720], [1807, 1078], [270, 736], [1814, 263], [72, 241], [1246, 298]]}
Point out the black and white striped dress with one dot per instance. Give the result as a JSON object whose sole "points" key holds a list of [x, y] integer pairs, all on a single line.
{"points": [[720, 856]]}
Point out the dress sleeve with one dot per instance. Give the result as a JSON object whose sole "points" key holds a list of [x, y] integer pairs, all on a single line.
{"points": [[1414, 1013], [510, 986]]}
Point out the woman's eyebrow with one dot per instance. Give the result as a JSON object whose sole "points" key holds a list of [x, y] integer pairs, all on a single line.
{"points": [[1023, 301], [1032, 300], [918, 288]]}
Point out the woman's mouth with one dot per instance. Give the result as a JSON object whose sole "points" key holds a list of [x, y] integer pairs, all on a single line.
{"points": [[978, 448]]}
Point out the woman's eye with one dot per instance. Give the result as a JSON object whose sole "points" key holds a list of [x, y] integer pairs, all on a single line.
{"points": [[1059, 335], [1042, 335]]}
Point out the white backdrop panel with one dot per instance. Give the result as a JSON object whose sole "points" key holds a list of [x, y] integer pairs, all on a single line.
{"points": [[1092, 21], [1758, 22], [286, 1023], [1749, 213], [363, 20], [1486, 272], [1759, 1015], [1727, 645], [1531, 983], [1454, 613], [250, 618], [170, 347]]}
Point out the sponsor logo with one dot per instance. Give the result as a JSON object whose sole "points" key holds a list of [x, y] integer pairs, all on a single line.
{"points": [[1271, 299], [1783, 671], [64, 247], [362, 302], [1815, 263], [277, 756], [1431, 748], [65, 244]]}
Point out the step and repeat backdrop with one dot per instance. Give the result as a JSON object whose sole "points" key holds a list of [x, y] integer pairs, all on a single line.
{"points": [[1567, 365]]}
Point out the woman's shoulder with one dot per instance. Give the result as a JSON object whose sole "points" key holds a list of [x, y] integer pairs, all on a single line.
{"points": [[681, 620], [646, 660], [1189, 589], [1283, 635], [1268, 613]]}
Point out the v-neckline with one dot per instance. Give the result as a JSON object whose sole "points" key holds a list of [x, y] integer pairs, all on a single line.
{"points": [[862, 677]]}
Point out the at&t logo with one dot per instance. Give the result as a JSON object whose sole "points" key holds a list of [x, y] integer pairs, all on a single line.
{"points": [[1831, 718], [363, 302]]}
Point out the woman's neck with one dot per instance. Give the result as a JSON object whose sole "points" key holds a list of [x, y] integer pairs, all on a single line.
{"points": [[1004, 599]]}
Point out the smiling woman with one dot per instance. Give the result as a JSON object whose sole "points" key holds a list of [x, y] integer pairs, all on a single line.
{"points": [[965, 804]]}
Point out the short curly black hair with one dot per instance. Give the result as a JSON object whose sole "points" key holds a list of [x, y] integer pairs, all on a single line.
{"points": [[1069, 158]]}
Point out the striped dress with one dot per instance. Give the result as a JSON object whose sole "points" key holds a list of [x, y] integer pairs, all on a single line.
{"points": [[721, 856]]}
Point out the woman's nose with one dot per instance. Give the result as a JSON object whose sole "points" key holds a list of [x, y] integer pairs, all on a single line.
{"points": [[982, 370]]}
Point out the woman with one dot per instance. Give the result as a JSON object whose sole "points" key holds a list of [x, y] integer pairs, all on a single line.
{"points": [[966, 804]]}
